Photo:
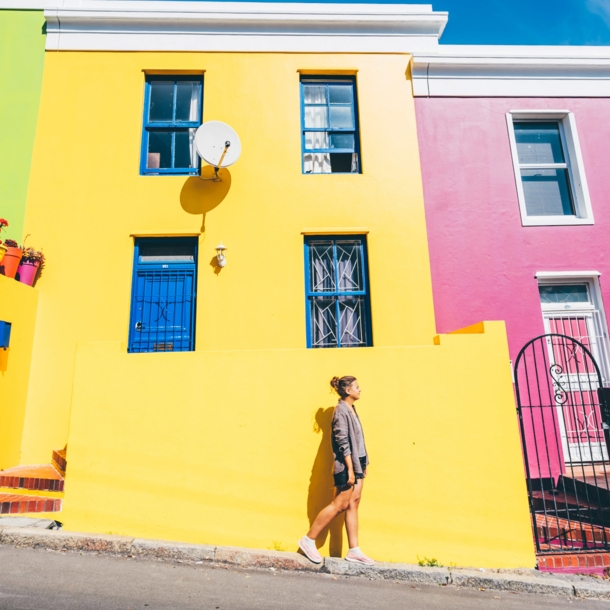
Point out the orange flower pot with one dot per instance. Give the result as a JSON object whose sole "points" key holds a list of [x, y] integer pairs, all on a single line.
{"points": [[10, 262]]}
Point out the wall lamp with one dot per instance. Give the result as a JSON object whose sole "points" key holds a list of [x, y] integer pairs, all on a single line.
{"points": [[220, 255]]}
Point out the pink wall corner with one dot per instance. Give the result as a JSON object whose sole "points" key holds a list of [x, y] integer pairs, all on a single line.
{"points": [[483, 260]]}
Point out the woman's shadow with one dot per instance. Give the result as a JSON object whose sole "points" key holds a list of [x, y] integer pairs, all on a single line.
{"points": [[321, 489]]}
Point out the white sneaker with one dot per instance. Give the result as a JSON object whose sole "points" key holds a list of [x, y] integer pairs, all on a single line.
{"points": [[359, 557], [308, 547]]}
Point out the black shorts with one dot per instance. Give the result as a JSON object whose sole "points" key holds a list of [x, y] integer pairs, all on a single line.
{"points": [[341, 477]]}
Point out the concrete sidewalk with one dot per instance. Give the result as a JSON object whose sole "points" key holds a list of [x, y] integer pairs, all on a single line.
{"points": [[34, 535]]}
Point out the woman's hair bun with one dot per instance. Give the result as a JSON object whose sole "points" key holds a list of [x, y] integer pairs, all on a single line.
{"points": [[342, 385]]}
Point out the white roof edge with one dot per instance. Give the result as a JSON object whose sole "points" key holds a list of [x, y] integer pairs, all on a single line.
{"points": [[26, 5], [160, 25], [512, 71]]}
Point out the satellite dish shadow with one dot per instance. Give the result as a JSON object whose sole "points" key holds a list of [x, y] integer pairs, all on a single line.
{"points": [[201, 196]]}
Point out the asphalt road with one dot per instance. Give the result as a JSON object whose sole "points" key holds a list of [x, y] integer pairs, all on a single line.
{"points": [[49, 580]]}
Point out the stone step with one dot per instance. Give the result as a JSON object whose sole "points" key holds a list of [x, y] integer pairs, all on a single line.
{"points": [[11, 504], [44, 477]]}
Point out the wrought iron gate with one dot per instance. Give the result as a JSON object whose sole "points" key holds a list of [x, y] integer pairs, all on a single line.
{"points": [[563, 416]]}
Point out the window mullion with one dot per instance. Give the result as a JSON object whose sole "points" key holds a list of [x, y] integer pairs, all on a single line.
{"points": [[173, 153], [336, 291], [175, 101]]}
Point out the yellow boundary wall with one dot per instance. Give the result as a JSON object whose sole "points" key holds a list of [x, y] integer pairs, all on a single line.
{"points": [[18, 305], [236, 450]]}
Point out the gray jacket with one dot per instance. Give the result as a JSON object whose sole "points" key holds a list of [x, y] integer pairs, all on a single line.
{"points": [[346, 437]]}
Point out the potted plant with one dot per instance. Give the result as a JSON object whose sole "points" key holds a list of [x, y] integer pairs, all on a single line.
{"points": [[3, 248], [31, 261], [12, 258]]}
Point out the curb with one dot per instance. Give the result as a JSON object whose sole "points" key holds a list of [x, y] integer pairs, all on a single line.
{"points": [[514, 581]]}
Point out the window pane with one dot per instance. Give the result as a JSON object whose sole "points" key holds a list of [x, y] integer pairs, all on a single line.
{"points": [[343, 163], [349, 266], [569, 293], [159, 149], [161, 101], [341, 140], [340, 94], [547, 192], [316, 163], [323, 322], [185, 155], [316, 116], [539, 142], [341, 117], [187, 101], [352, 324], [316, 139], [321, 267], [166, 252], [314, 94]]}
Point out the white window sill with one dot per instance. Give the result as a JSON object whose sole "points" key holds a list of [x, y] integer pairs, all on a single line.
{"points": [[554, 221]]}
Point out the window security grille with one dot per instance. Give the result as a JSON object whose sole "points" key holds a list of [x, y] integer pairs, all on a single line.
{"points": [[338, 309]]}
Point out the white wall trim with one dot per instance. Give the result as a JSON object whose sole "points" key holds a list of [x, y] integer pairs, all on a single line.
{"points": [[26, 5], [512, 71], [125, 25], [549, 275]]}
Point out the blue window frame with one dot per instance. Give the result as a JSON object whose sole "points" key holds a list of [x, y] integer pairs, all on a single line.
{"points": [[329, 126], [337, 291], [163, 295], [172, 113]]}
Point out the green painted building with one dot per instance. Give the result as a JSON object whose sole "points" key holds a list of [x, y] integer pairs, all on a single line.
{"points": [[22, 44]]}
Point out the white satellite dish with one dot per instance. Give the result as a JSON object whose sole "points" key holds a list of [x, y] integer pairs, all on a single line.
{"points": [[217, 144]]}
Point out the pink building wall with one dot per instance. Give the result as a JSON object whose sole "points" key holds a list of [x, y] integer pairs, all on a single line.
{"points": [[483, 260]]}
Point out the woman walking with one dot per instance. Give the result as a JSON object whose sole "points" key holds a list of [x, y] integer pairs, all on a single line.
{"points": [[351, 461]]}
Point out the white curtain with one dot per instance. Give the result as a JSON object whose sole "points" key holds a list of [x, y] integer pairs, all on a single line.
{"points": [[316, 163]]}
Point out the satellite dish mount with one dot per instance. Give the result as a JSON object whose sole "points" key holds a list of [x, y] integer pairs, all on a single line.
{"points": [[218, 145]]}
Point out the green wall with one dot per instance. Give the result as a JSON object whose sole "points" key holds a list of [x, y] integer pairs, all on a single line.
{"points": [[21, 64]]}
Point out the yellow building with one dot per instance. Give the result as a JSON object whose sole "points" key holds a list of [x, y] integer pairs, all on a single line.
{"points": [[193, 397]]}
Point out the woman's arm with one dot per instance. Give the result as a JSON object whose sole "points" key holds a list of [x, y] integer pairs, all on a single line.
{"points": [[351, 477]]}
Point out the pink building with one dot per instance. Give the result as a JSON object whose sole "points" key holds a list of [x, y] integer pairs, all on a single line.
{"points": [[515, 153]]}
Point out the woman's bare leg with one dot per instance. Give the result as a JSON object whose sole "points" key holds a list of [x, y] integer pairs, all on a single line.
{"points": [[351, 515], [326, 515]]}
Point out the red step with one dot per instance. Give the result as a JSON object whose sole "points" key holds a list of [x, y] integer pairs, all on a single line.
{"points": [[575, 563], [11, 504], [59, 460], [39, 478]]}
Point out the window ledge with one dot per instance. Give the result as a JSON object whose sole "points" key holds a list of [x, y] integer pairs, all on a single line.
{"points": [[555, 221]]}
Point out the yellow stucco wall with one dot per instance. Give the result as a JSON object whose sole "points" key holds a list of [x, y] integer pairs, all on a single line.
{"points": [[218, 445], [18, 304], [223, 448]]}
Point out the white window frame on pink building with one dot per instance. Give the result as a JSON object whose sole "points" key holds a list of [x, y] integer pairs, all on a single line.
{"points": [[578, 180]]}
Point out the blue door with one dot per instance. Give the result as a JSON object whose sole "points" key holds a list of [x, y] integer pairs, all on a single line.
{"points": [[163, 295]]}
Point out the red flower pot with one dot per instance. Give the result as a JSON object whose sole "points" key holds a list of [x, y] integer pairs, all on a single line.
{"points": [[10, 262], [27, 272]]}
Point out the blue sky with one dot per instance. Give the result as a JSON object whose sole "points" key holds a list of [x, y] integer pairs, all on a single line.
{"points": [[576, 22]]}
